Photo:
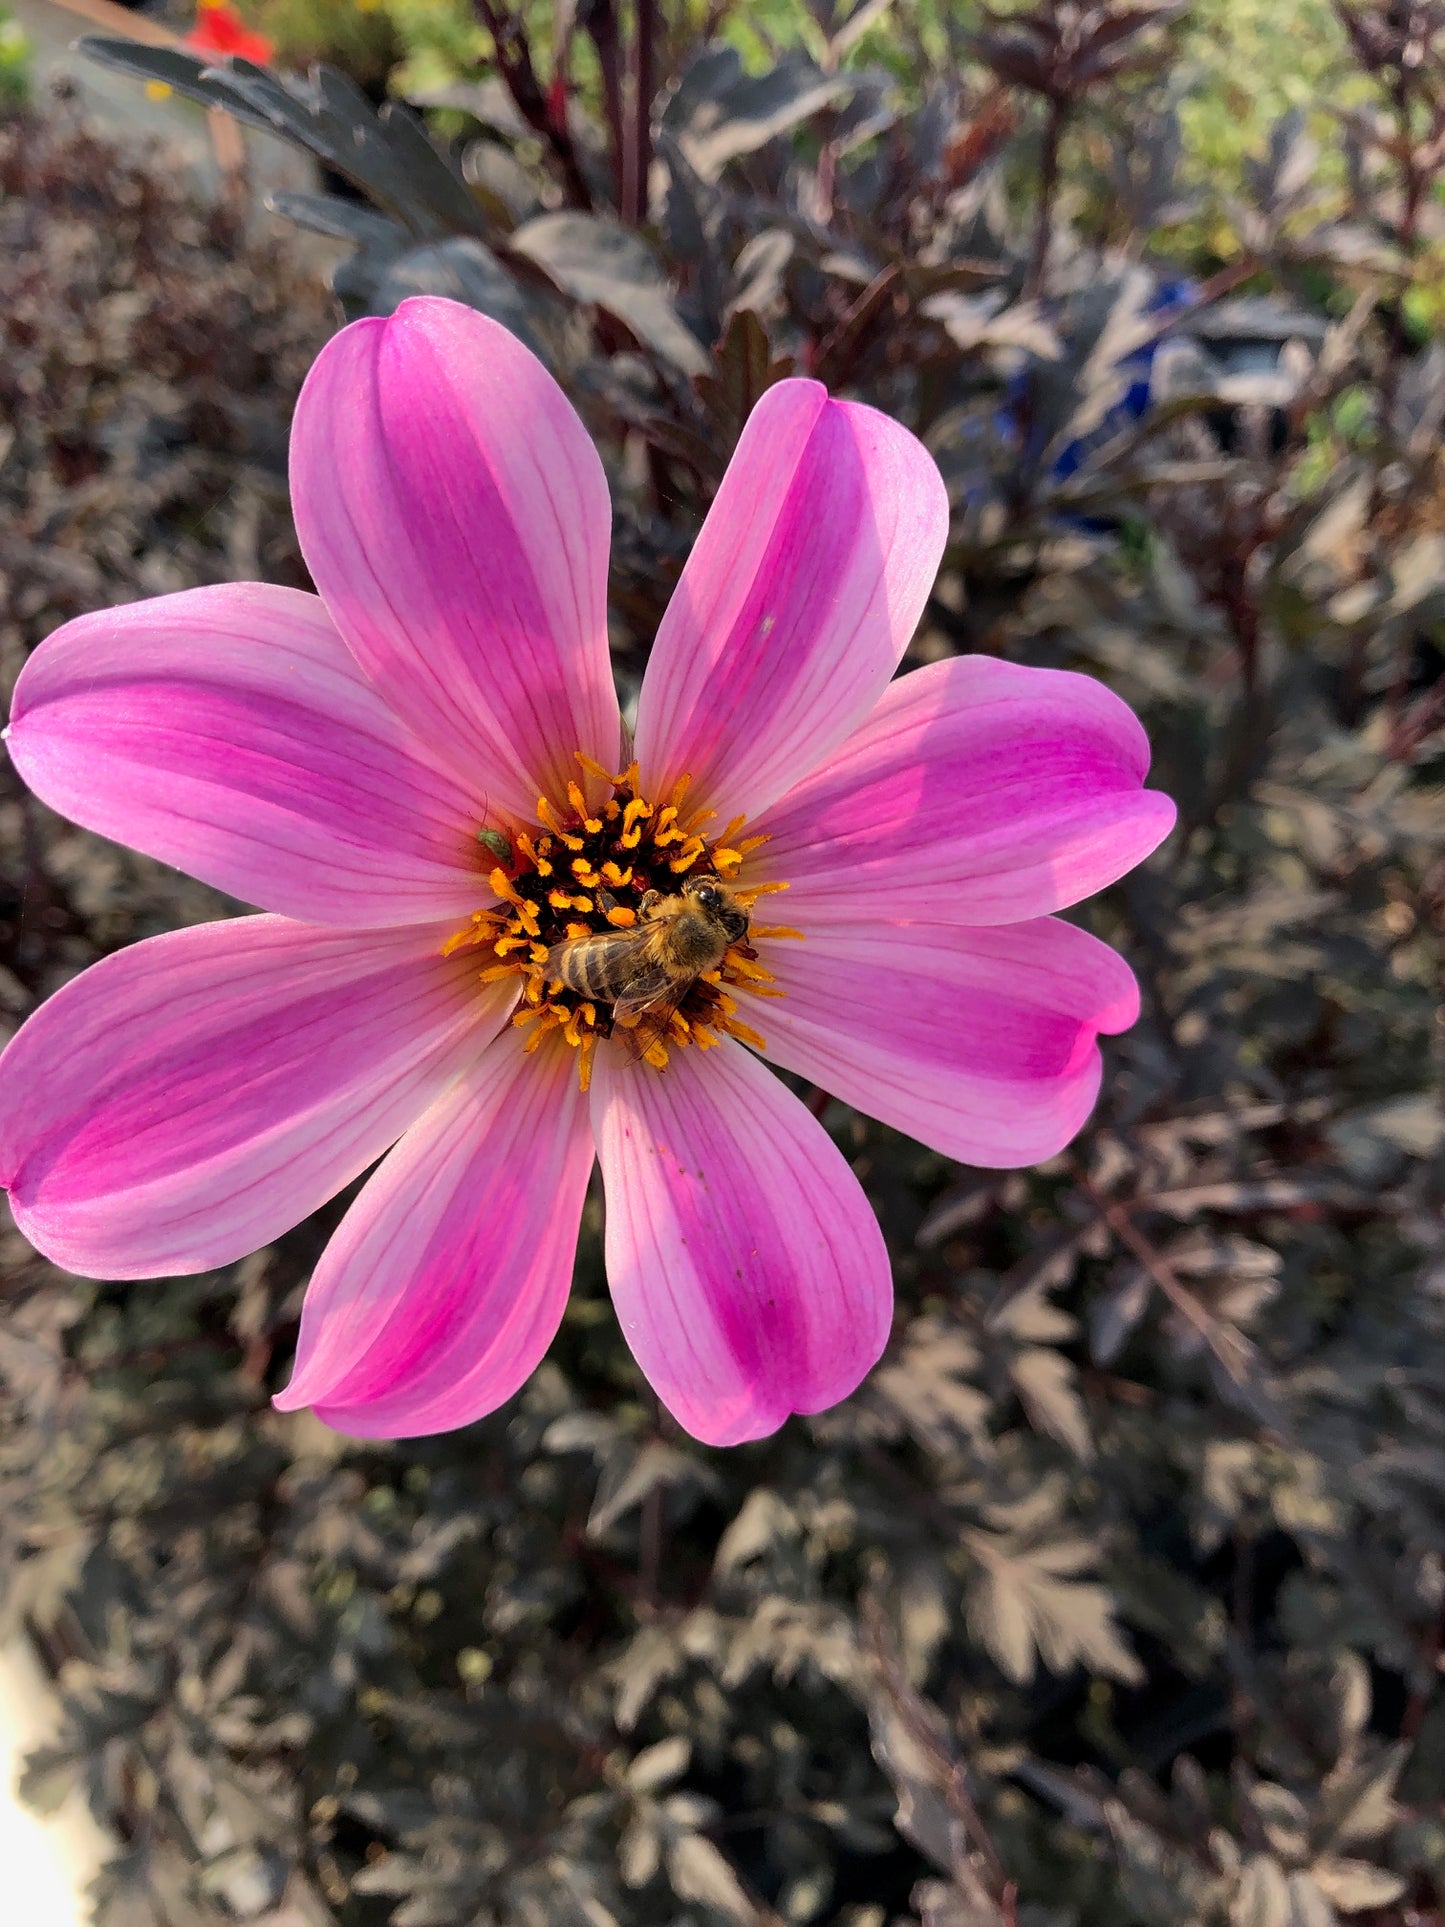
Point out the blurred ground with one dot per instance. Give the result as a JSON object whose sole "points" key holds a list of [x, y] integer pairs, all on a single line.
{"points": [[120, 107], [48, 1862]]}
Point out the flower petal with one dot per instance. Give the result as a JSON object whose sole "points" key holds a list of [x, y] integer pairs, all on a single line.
{"points": [[980, 1043], [448, 1277], [977, 792], [748, 1272], [183, 1101], [229, 731], [455, 518], [797, 601]]}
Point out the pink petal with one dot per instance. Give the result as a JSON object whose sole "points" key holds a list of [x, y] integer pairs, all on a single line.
{"points": [[229, 731], [980, 1043], [797, 601], [185, 1100], [977, 792], [455, 517], [448, 1277], [748, 1272]]}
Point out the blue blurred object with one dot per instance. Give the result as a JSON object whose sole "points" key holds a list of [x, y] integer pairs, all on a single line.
{"points": [[1167, 299], [1228, 352], [1029, 418]]}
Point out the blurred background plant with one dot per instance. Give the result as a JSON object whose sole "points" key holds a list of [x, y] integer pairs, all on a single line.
{"points": [[1118, 1594], [1240, 64], [15, 53]]}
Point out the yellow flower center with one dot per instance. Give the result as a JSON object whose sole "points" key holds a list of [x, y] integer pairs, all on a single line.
{"points": [[608, 868]]}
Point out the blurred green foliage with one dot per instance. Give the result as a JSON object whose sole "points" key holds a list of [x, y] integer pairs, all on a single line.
{"points": [[15, 57], [1247, 63], [1244, 62]]}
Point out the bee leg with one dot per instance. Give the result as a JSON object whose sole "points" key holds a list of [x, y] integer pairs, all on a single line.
{"points": [[648, 904], [605, 901]]}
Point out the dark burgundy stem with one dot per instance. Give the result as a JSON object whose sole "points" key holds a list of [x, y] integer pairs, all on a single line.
{"points": [[644, 78], [1048, 187], [601, 24], [519, 75]]}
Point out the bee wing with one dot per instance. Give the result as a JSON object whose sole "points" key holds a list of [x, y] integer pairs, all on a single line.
{"points": [[647, 990], [591, 964], [644, 1014], [645, 1020]]}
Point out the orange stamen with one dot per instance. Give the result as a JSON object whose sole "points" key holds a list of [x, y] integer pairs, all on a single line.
{"points": [[745, 966], [744, 1033], [584, 1060], [603, 776], [633, 818], [688, 854], [592, 824]]}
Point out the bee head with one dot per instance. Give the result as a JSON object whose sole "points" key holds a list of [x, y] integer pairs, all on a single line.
{"points": [[718, 901]]}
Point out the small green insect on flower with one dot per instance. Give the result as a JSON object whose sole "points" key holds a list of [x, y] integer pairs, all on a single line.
{"points": [[499, 845]]}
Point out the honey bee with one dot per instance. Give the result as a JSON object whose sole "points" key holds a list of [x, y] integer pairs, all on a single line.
{"points": [[645, 972]]}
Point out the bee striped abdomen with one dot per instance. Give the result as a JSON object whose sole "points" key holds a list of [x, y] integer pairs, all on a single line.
{"points": [[605, 968]]}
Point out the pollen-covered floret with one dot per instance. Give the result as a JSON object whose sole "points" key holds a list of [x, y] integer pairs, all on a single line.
{"points": [[593, 863]]}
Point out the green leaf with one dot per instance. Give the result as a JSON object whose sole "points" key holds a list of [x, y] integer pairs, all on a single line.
{"points": [[1024, 1609], [763, 1520], [1047, 1384], [698, 1872], [654, 1766], [719, 112], [605, 265], [1262, 1897], [1353, 1885]]}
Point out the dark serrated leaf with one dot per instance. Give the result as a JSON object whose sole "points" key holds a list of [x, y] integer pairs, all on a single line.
{"points": [[387, 155], [720, 112], [602, 264]]}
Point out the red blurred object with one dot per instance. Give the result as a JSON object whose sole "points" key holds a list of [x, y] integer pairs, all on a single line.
{"points": [[220, 31]]}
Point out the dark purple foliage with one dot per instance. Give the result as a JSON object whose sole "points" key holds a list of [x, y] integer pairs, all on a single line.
{"points": [[1118, 1594]]}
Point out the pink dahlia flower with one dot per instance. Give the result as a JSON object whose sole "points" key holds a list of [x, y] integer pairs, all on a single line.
{"points": [[416, 774]]}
